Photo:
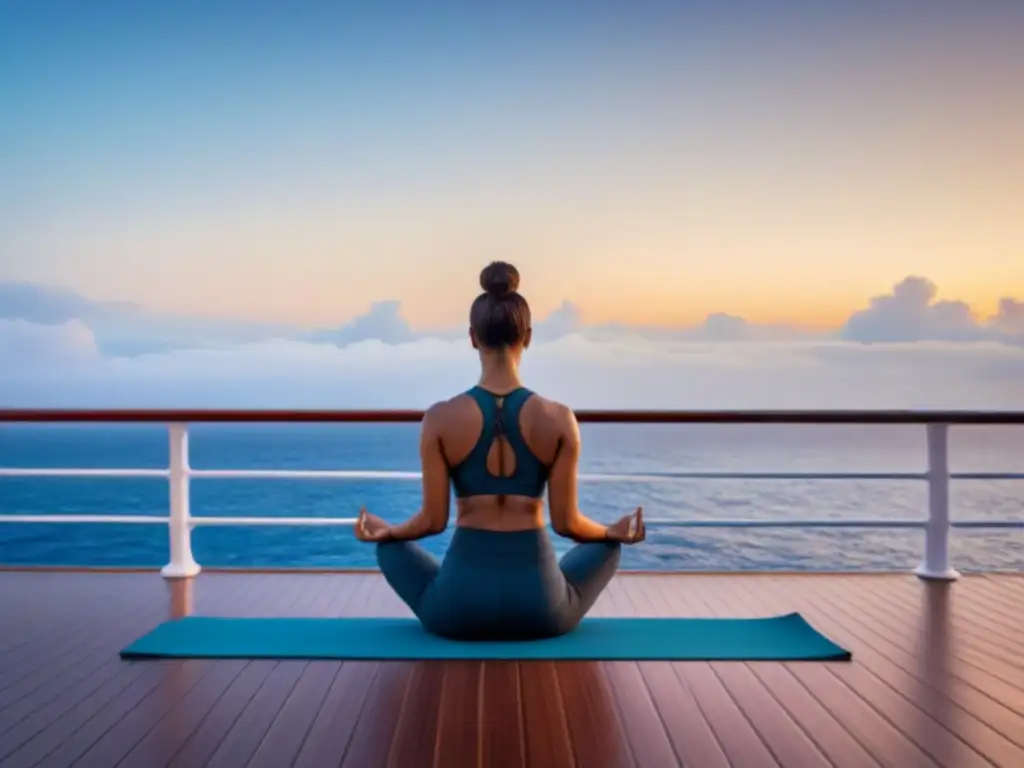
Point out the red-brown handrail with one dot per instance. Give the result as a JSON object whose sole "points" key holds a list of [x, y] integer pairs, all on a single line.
{"points": [[590, 416]]}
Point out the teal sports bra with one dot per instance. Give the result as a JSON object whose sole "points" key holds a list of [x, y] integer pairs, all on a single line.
{"points": [[470, 477]]}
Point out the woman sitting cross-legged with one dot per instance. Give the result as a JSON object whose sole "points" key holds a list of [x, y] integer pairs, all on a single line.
{"points": [[499, 445]]}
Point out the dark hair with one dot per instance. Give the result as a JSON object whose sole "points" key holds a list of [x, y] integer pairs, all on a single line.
{"points": [[499, 317]]}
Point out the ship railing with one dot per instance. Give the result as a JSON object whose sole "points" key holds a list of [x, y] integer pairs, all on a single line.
{"points": [[935, 563]]}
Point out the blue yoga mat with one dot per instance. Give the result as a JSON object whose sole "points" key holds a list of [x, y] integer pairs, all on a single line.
{"points": [[779, 638]]}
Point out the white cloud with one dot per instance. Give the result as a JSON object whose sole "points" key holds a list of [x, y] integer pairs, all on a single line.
{"points": [[1010, 318], [26, 346], [383, 322], [911, 313], [629, 372], [922, 354]]}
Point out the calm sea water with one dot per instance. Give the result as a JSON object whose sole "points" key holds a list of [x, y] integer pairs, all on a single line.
{"points": [[608, 449]]}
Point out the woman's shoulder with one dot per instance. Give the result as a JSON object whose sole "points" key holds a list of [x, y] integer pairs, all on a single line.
{"points": [[549, 407], [462, 409]]}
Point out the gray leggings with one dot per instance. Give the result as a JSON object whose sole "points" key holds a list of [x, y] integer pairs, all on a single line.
{"points": [[497, 585]]}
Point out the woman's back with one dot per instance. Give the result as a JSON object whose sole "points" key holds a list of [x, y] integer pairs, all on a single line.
{"points": [[499, 447]]}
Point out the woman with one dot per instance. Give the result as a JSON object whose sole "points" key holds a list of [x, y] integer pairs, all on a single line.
{"points": [[499, 445]]}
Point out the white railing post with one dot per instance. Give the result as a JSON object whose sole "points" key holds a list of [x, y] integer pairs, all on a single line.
{"points": [[936, 533], [182, 565]]}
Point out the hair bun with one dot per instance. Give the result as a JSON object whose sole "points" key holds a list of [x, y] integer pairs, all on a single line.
{"points": [[499, 279]]}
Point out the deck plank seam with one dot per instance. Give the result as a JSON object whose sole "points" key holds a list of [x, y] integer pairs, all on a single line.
{"points": [[312, 722], [156, 682], [604, 666], [374, 674], [435, 755], [234, 721], [210, 669], [824, 706], [199, 722], [284, 704], [979, 614], [129, 682], [819, 748], [278, 597], [521, 715], [671, 609], [646, 688], [97, 646], [204, 670], [736, 703], [88, 665], [850, 690], [952, 702], [953, 672], [280, 708], [70, 623], [923, 747], [480, 682], [701, 707], [574, 749]]}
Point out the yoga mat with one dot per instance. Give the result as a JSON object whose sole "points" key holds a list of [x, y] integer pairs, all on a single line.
{"points": [[779, 638]]}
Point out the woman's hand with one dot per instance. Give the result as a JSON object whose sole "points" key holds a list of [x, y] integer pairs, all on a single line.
{"points": [[630, 529], [371, 528]]}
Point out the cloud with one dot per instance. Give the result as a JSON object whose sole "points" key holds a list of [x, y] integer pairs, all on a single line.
{"points": [[124, 328], [910, 313], [911, 352], [626, 373], [383, 322], [563, 321], [44, 304], [1010, 318], [26, 346]]}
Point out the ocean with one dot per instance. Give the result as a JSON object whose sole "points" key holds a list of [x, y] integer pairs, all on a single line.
{"points": [[608, 449]]}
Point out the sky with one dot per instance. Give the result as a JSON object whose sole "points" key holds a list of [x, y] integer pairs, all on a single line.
{"points": [[234, 189]]}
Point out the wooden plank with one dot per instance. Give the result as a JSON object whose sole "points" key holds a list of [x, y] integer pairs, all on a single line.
{"points": [[927, 675], [153, 694], [936, 679], [545, 728], [458, 730], [35, 737], [734, 734], [122, 741], [646, 733], [332, 729], [693, 741], [157, 746], [245, 736], [198, 745], [597, 734], [282, 741], [502, 731], [415, 733], [204, 740], [980, 642], [886, 696]]}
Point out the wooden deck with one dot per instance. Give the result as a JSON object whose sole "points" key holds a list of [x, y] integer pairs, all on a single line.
{"points": [[937, 679]]}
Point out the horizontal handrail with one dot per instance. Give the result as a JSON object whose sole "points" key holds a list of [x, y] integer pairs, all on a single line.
{"points": [[200, 520], [179, 474], [359, 474], [585, 416]]}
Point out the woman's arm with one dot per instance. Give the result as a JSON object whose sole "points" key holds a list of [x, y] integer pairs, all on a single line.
{"points": [[432, 518], [566, 518]]}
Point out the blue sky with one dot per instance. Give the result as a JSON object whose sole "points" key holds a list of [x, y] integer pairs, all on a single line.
{"points": [[651, 163], [236, 190]]}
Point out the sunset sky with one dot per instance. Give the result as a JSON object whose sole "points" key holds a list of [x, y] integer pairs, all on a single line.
{"points": [[651, 166]]}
